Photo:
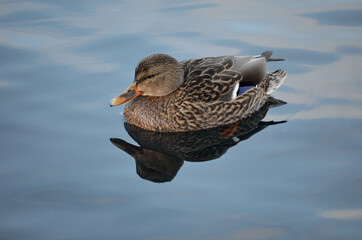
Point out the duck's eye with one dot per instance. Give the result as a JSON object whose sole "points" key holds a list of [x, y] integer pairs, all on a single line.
{"points": [[150, 76]]}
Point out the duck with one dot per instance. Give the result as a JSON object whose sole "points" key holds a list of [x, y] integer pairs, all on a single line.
{"points": [[201, 93]]}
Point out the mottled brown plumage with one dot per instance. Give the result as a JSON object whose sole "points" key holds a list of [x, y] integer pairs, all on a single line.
{"points": [[198, 93]]}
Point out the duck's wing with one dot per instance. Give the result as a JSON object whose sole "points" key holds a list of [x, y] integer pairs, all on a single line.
{"points": [[218, 78], [191, 116], [253, 68], [210, 79]]}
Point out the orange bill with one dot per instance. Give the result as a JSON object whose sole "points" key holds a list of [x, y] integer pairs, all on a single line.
{"points": [[127, 95]]}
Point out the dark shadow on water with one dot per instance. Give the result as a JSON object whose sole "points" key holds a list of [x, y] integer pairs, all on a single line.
{"points": [[160, 155]]}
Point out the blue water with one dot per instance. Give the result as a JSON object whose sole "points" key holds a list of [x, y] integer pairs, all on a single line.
{"points": [[62, 178]]}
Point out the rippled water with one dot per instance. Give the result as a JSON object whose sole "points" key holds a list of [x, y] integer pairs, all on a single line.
{"points": [[62, 178]]}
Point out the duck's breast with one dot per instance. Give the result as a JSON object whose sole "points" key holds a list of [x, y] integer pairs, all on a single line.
{"points": [[148, 113]]}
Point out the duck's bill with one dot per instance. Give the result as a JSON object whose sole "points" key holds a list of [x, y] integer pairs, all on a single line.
{"points": [[126, 96]]}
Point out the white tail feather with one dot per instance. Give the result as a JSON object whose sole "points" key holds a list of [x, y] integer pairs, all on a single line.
{"points": [[276, 79]]}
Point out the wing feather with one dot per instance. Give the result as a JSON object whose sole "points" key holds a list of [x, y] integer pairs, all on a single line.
{"points": [[210, 79], [213, 114]]}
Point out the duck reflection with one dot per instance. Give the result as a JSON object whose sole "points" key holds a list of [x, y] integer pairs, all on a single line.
{"points": [[160, 155]]}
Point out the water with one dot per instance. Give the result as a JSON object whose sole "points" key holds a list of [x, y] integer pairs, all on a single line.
{"points": [[62, 178]]}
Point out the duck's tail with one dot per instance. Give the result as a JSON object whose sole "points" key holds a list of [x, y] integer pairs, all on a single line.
{"points": [[275, 80], [267, 55]]}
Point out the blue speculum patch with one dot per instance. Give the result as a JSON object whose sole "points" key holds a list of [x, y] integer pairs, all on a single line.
{"points": [[243, 89]]}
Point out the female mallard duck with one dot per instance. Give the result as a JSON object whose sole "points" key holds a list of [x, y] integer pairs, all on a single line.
{"points": [[195, 94]]}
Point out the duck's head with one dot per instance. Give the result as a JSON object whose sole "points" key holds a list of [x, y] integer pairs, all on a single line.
{"points": [[156, 75]]}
